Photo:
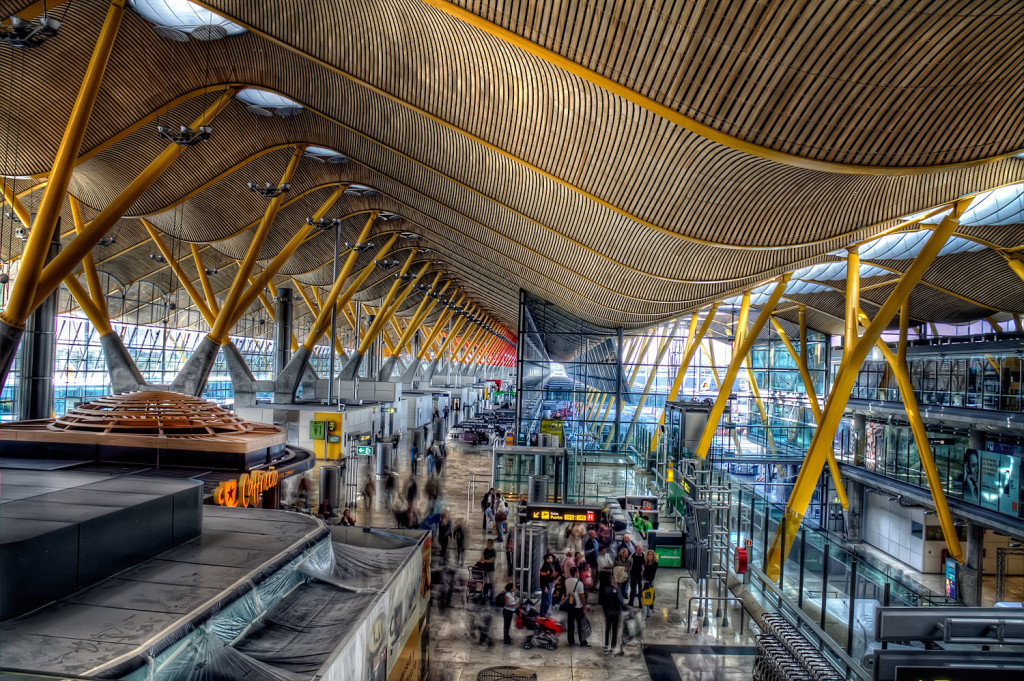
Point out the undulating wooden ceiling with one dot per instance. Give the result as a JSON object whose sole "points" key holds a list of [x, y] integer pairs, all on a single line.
{"points": [[625, 161]]}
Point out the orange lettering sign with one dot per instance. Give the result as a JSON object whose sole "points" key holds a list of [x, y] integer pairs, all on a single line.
{"points": [[245, 491]]}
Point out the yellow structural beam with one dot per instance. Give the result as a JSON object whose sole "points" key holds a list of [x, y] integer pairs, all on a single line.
{"points": [[734, 366], [846, 378], [852, 298], [755, 390], [232, 300], [651, 376], [693, 342], [204, 279], [812, 397], [92, 277], [33, 256], [72, 254], [186, 283], [709, 352], [924, 450], [381, 317], [335, 297], [442, 319], [100, 318], [386, 311], [422, 310], [229, 316]]}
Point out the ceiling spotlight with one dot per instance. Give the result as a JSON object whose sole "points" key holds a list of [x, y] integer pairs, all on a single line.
{"points": [[107, 241], [434, 294], [186, 136], [359, 247], [156, 257], [422, 287], [269, 191], [21, 233], [407, 277], [210, 271], [386, 264], [21, 33]]}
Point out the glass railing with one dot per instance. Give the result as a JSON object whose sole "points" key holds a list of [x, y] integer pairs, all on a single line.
{"points": [[833, 588]]}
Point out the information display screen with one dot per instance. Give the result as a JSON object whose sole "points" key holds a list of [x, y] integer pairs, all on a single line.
{"points": [[562, 513]]}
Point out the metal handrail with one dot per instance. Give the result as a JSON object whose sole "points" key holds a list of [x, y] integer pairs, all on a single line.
{"points": [[689, 608]]}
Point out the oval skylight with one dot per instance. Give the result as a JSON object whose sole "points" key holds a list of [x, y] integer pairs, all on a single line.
{"points": [[360, 190], [326, 155], [184, 17], [906, 245]]}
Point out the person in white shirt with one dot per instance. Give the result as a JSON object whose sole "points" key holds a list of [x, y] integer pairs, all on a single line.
{"points": [[576, 600], [509, 610]]}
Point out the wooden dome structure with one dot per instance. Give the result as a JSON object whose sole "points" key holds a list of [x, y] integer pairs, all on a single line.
{"points": [[152, 412]]}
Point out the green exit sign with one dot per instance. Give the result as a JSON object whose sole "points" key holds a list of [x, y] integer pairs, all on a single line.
{"points": [[317, 430], [364, 450], [389, 410]]}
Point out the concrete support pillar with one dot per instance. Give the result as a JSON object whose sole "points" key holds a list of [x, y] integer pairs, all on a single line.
{"points": [[860, 438], [39, 348], [971, 571], [855, 515], [124, 374], [282, 329]]}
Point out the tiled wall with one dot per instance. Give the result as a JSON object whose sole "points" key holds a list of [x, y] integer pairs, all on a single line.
{"points": [[887, 526]]}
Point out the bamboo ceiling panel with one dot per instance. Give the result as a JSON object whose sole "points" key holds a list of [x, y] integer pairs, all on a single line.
{"points": [[520, 175]]}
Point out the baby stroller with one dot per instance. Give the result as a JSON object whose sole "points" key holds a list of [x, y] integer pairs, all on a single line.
{"points": [[545, 630]]}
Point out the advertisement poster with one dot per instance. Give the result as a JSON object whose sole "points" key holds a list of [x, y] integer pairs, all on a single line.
{"points": [[971, 476], [410, 597], [949, 577]]}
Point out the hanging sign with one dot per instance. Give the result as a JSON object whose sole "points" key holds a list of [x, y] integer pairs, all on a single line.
{"points": [[245, 491]]}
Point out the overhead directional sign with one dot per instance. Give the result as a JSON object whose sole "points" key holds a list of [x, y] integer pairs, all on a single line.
{"points": [[563, 513]]}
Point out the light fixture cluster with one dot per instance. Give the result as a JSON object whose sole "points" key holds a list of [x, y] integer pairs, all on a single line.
{"points": [[25, 34], [389, 217], [269, 191], [156, 257], [185, 136], [106, 241], [386, 264], [359, 247], [210, 271], [324, 224]]}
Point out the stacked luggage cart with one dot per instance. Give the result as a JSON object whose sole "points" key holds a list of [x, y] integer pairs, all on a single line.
{"points": [[784, 654]]}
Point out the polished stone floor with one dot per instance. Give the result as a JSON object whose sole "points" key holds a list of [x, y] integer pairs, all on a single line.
{"points": [[703, 653]]}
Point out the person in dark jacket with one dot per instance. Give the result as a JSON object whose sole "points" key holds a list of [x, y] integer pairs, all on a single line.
{"points": [[613, 603], [650, 569], [636, 574]]}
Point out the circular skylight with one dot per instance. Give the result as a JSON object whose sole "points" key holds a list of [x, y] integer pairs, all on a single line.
{"points": [[178, 19]]}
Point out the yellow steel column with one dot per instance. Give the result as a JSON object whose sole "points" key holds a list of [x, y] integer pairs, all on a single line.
{"points": [[690, 349], [95, 229], [33, 257], [442, 319], [931, 471], [812, 398], [387, 313], [324, 318], [381, 317], [92, 277], [852, 298], [739, 333], [846, 377], [219, 332], [179, 272], [709, 351], [734, 366], [100, 318], [420, 314], [204, 280], [652, 375]]}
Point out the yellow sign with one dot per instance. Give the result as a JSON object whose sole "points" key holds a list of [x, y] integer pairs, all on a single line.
{"points": [[246, 490], [556, 513]]}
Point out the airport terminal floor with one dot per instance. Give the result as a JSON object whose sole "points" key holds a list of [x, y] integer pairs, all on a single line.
{"points": [[704, 652]]}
